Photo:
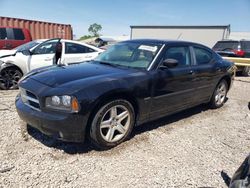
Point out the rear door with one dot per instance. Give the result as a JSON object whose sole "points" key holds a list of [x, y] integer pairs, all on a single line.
{"points": [[3, 38], [206, 70], [173, 87], [75, 53], [15, 37]]}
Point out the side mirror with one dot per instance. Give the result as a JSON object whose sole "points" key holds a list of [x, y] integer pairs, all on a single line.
{"points": [[26, 52], [170, 63]]}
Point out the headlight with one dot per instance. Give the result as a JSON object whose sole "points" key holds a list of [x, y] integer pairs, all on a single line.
{"points": [[62, 103]]}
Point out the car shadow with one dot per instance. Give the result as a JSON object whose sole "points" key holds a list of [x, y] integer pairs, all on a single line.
{"points": [[79, 148]]}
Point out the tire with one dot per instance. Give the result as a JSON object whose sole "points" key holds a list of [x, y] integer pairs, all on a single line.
{"points": [[219, 96], [9, 78], [107, 128], [246, 71]]}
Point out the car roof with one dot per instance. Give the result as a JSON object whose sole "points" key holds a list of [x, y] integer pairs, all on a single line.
{"points": [[159, 41]]}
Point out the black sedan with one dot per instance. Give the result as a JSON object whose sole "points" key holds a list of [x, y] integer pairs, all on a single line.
{"points": [[131, 83]]}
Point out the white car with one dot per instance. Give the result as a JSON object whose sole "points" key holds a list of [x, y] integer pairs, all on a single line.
{"points": [[40, 53]]}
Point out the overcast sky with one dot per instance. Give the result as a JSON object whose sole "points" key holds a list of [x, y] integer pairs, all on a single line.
{"points": [[116, 16]]}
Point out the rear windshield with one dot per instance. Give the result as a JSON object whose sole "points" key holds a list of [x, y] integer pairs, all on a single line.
{"points": [[245, 45], [226, 45]]}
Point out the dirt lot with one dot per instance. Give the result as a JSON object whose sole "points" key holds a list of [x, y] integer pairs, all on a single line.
{"points": [[188, 149]]}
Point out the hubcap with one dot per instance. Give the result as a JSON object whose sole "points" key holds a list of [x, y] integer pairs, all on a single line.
{"points": [[9, 78], [220, 93], [115, 123]]}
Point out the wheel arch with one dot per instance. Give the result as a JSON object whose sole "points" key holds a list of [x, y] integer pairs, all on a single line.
{"points": [[9, 65], [227, 78], [107, 97]]}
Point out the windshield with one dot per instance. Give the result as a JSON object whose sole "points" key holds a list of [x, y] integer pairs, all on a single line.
{"points": [[130, 54], [27, 46]]}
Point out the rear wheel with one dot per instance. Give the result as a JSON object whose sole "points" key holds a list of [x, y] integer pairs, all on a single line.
{"points": [[219, 95], [9, 78], [246, 71], [112, 124]]}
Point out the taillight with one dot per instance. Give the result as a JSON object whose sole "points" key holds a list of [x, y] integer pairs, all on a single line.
{"points": [[240, 53]]}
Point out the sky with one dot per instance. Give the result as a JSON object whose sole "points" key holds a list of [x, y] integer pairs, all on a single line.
{"points": [[116, 16]]}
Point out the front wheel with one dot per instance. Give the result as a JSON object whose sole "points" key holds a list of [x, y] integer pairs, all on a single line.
{"points": [[219, 95], [9, 78], [112, 124]]}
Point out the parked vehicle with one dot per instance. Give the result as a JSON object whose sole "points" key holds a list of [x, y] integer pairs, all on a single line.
{"points": [[13, 37], [233, 48], [40, 53], [131, 83]]}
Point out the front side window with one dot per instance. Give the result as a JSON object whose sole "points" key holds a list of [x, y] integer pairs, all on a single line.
{"points": [[181, 54], [18, 34], [72, 48], [46, 48], [202, 56], [130, 54], [3, 33]]}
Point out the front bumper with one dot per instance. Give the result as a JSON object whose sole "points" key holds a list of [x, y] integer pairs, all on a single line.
{"points": [[64, 126]]}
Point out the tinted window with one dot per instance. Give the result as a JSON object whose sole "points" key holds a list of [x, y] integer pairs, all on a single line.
{"points": [[72, 48], [245, 45], [46, 48], [18, 34], [181, 54], [3, 33], [226, 45], [202, 56]]}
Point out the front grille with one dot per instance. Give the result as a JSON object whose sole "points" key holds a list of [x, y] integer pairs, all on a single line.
{"points": [[30, 99]]}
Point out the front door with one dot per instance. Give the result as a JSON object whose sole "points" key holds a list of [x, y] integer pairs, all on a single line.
{"points": [[43, 55], [173, 88]]}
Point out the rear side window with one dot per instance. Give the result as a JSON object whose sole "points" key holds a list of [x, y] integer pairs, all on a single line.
{"points": [[202, 56], [226, 45], [245, 45], [181, 54], [72, 48], [18, 34], [3, 33]]}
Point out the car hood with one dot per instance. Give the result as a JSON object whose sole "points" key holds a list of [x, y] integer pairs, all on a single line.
{"points": [[64, 76], [7, 52]]}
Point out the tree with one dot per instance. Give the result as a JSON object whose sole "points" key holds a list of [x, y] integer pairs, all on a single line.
{"points": [[94, 29]]}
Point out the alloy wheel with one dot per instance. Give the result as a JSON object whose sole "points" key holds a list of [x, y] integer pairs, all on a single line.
{"points": [[9, 78], [115, 123], [220, 93]]}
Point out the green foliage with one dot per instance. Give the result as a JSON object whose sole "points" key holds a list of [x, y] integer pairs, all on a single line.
{"points": [[94, 29], [85, 37]]}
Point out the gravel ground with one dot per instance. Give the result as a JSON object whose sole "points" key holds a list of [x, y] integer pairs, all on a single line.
{"points": [[188, 149]]}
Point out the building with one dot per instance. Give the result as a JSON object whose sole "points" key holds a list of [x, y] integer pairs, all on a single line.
{"points": [[207, 35], [239, 36]]}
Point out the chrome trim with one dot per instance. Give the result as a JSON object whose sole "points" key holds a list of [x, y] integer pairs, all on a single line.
{"points": [[31, 99], [157, 55], [24, 95], [34, 108]]}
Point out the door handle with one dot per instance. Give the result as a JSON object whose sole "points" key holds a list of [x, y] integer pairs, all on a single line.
{"points": [[88, 56], [218, 69], [48, 59]]}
